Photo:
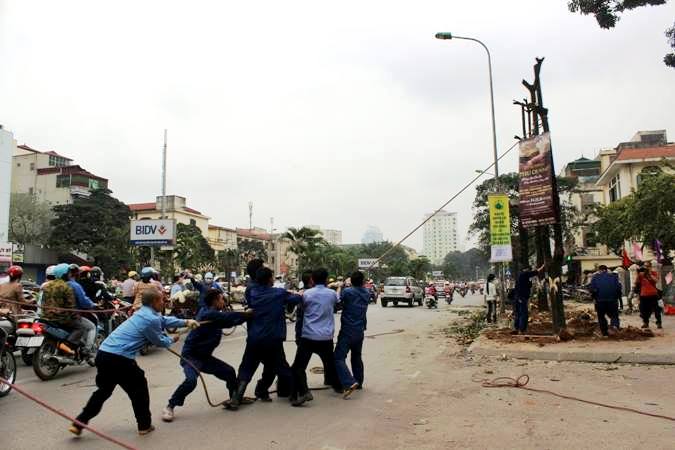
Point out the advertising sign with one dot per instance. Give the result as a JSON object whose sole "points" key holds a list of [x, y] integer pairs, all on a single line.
{"points": [[18, 251], [536, 182], [500, 228], [6, 249], [366, 263], [437, 273], [153, 232]]}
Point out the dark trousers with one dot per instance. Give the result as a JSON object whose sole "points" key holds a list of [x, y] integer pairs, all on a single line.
{"points": [[306, 348], [210, 365], [521, 314], [607, 309], [271, 355], [113, 370], [647, 306], [492, 311], [284, 380], [346, 344]]}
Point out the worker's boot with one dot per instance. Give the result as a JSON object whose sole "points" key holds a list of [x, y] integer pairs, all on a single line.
{"points": [[239, 395]]}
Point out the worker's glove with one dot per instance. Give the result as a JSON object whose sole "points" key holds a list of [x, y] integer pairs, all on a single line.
{"points": [[191, 324]]}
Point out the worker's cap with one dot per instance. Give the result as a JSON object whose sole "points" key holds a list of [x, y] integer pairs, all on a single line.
{"points": [[208, 276]]}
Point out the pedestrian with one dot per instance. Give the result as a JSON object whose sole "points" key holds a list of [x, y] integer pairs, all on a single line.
{"points": [[353, 322], [318, 328], [645, 287], [204, 286], [128, 286], [116, 360], [490, 295], [606, 291], [198, 350], [522, 298], [266, 333]]}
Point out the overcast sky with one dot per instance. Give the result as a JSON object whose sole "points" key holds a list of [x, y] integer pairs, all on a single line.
{"points": [[341, 114]]}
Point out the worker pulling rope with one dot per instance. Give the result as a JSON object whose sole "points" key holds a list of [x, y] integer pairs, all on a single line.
{"points": [[66, 416], [521, 383]]}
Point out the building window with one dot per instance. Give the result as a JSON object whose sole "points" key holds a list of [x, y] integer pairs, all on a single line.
{"points": [[32, 166], [57, 161], [614, 189], [648, 171], [193, 222], [62, 181]]}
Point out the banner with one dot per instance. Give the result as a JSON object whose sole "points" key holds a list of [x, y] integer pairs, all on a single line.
{"points": [[366, 263], [500, 228], [536, 182], [6, 250], [153, 232]]}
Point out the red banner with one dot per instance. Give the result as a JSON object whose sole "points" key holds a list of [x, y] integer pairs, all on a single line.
{"points": [[536, 182]]}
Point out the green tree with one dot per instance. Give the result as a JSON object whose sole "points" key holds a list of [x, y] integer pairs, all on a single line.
{"points": [[97, 225], [608, 13], [227, 261], [420, 267], [192, 249], [612, 224], [29, 220], [464, 266], [305, 243], [250, 249]]}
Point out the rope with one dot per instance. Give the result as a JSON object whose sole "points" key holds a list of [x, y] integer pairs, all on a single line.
{"points": [[483, 172], [521, 382], [201, 378], [58, 308], [65, 416]]}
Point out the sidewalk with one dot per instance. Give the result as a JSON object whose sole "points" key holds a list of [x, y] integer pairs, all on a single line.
{"points": [[657, 350]]}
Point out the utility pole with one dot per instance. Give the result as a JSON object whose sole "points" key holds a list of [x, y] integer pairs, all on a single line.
{"points": [[164, 178], [250, 216]]}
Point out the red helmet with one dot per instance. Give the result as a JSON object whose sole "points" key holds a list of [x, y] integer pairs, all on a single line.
{"points": [[84, 269], [15, 271]]}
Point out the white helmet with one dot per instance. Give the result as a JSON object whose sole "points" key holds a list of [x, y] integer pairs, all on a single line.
{"points": [[208, 276], [50, 271]]}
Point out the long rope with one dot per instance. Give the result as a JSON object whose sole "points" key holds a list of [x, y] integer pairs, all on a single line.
{"points": [[483, 172], [66, 416], [59, 308], [521, 382]]}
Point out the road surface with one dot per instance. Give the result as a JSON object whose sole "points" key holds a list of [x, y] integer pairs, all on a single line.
{"points": [[420, 393]]}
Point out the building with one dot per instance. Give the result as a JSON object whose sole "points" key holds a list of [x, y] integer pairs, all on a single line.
{"points": [[7, 149], [333, 237], [440, 236], [51, 177], [372, 235], [221, 238], [585, 196], [176, 208], [284, 260]]}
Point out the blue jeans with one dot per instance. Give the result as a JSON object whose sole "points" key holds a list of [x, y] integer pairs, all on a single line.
{"points": [[210, 365], [521, 314], [346, 344]]}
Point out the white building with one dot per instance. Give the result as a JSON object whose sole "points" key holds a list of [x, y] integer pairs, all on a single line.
{"points": [[7, 148], [372, 235], [440, 236], [333, 237]]}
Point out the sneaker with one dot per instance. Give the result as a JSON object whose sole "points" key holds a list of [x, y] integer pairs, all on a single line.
{"points": [[167, 414], [75, 429], [350, 390], [308, 396], [146, 431], [299, 400]]}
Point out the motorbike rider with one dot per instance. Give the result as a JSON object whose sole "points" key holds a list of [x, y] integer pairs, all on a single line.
{"points": [[12, 291], [431, 290], [147, 282], [82, 301], [128, 286]]}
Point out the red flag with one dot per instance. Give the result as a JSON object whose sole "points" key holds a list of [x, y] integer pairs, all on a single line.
{"points": [[626, 263]]}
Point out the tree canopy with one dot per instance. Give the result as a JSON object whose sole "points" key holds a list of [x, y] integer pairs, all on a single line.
{"points": [[29, 220], [192, 249], [608, 13], [464, 266]]}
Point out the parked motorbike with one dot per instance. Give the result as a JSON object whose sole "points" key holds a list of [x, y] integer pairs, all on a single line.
{"points": [[7, 361], [430, 301]]}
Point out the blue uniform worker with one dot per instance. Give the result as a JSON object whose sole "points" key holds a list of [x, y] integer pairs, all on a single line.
{"points": [[355, 302]]}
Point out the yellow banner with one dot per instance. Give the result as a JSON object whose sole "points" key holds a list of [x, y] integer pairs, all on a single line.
{"points": [[500, 228]]}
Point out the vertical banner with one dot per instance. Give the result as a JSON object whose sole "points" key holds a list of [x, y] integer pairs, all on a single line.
{"points": [[536, 182], [500, 228]]}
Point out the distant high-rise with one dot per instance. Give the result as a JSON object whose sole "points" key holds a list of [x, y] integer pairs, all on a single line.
{"points": [[372, 235], [333, 237], [440, 236]]}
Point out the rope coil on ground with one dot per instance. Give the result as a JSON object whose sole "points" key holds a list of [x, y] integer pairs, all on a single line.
{"points": [[521, 383]]}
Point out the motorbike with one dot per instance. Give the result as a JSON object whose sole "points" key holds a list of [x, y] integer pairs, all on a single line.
{"points": [[448, 296], [7, 361], [430, 301], [24, 322]]}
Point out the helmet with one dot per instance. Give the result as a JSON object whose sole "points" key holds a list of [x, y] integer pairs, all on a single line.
{"points": [[132, 274], [60, 270], [50, 271], [96, 273], [147, 272], [208, 276], [84, 269], [15, 271], [73, 267]]}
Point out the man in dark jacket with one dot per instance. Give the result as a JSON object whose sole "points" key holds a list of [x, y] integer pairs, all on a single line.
{"points": [[355, 301], [522, 298], [266, 331], [606, 291], [199, 347]]}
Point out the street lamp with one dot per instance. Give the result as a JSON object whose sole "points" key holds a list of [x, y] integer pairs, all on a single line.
{"points": [[484, 172], [447, 36]]}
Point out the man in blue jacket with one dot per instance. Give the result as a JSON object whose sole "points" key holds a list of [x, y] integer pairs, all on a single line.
{"points": [[266, 331], [204, 286], [355, 301], [83, 302], [606, 291], [522, 298], [199, 347], [116, 360]]}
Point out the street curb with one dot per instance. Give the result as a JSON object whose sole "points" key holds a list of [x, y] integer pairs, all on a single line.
{"points": [[579, 356]]}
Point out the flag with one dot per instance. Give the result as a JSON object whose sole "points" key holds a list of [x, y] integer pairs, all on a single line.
{"points": [[637, 251], [626, 262], [669, 278]]}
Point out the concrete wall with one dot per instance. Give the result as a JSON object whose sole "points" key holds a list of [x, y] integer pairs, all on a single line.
{"points": [[7, 148]]}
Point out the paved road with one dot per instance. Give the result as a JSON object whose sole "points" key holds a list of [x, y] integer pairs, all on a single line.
{"points": [[328, 422]]}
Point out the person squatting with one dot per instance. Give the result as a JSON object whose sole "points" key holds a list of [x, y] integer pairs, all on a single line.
{"points": [[265, 319]]}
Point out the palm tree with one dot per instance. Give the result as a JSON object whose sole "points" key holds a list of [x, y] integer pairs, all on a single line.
{"points": [[304, 241]]}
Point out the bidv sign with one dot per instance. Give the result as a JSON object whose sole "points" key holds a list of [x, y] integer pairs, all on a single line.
{"points": [[153, 232]]}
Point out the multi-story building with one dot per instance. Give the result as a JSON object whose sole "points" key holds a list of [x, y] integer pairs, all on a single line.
{"points": [[440, 236], [221, 238], [372, 235], [51, 177], [176, 208], [7, 149], [333, 237]]}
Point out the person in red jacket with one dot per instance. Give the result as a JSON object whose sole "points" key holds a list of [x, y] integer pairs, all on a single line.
{"points": [[645, 287]]}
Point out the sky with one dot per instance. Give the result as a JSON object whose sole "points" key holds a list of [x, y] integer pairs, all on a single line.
{"points": [[342, 114]]}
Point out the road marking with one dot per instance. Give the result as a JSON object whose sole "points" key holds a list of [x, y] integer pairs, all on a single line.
{"points": [[414, 375]]}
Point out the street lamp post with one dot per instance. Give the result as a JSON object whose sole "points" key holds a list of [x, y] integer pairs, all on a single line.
{"points": [[446, 36]]}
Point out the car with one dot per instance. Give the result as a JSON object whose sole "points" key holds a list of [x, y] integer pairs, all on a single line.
{"points": [[401, 290]]}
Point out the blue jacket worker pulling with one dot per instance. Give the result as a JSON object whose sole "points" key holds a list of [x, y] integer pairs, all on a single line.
{"points": [[605, 287], [354, 309]]}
